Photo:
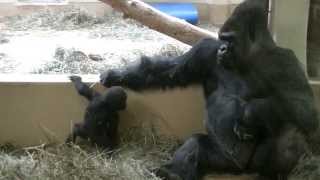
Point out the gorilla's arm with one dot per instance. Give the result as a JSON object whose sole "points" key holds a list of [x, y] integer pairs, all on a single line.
{"points": [[192, 67], [290, 87], [77, 130], [83, 89]]}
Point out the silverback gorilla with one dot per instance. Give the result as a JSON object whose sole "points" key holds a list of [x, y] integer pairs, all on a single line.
{"points": [[101, 119], [259, 104]]}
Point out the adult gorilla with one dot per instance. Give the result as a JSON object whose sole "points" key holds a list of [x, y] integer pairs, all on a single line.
{"points": [[270, 71], [279, 87], [259, 92]]}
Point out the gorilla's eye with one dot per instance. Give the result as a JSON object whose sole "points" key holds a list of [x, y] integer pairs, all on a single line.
{"points": [[227, 36]]}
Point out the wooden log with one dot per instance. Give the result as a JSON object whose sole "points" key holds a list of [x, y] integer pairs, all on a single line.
{"points": [[159, 21]]}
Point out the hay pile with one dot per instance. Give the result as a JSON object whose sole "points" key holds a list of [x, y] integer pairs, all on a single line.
{"points": [[139, 153], [307, 169], [67, 19], [72, 61]]}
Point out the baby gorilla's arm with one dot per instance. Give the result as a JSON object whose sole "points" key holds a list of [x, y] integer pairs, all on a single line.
{"points": [[82, 88], [76, 131], [256, 119]]}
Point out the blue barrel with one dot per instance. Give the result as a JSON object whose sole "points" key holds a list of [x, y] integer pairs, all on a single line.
{"points": [[186, 11]]}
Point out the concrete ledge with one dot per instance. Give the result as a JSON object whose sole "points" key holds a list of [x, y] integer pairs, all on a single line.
{"points": [[41, 109]]}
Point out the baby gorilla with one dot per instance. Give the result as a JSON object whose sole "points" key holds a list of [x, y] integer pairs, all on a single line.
{"points": [[101, 118]]}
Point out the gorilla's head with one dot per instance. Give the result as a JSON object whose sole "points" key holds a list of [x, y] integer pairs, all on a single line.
{"points": [[115, 98], [247, 25]]}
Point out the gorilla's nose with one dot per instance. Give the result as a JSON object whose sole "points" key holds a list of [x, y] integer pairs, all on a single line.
{"points": [[223, 50], [227, 36]]}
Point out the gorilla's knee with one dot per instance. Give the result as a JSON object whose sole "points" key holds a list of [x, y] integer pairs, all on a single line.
{"points": [[186, 160], [192, 148], [290, 147]]}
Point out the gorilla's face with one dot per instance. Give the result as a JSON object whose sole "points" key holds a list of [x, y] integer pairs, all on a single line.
{"points": [[225, 56], [242, 28]]}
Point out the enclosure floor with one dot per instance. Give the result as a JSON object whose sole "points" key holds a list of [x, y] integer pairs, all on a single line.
{"points": [[28, 51], [50, 41]]}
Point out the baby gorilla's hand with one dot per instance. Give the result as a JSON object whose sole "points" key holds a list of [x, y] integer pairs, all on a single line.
{"points": [[242, 127], [110, 78], [242, 132]]}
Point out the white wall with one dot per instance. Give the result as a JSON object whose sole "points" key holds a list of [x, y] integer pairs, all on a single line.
{"points": [[290, 25]]}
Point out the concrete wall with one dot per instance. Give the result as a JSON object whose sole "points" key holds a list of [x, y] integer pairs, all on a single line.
{"points": [[41, 109]]}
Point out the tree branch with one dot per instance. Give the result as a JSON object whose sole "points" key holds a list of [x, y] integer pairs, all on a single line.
{"points": [[159, 21]]}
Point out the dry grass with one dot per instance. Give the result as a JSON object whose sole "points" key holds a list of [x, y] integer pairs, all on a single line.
{"points": [[307, 169], [139, 153]]}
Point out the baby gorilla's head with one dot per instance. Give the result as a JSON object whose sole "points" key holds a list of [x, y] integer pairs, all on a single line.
{"points": [[115, 97]]}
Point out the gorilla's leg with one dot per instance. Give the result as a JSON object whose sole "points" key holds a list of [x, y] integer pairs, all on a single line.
{"points": [[195, 158], [160, 72], [77, 130], [82, 88], [277, 156], [112, 135]]}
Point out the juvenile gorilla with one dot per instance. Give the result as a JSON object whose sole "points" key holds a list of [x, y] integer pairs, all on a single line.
{"points": [[101, 119], [254, 88]]}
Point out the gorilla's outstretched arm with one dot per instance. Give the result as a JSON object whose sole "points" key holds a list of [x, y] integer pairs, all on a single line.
{"points": [[159, 72], [83, 89]]}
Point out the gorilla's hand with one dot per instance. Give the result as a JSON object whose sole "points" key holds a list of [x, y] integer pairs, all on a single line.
{"points": [[75, 78], [111, 78]]}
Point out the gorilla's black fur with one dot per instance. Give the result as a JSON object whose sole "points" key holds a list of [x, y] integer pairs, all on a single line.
{"points": [[272, 72], [259, 103], [275, 77], [101, 119]]}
